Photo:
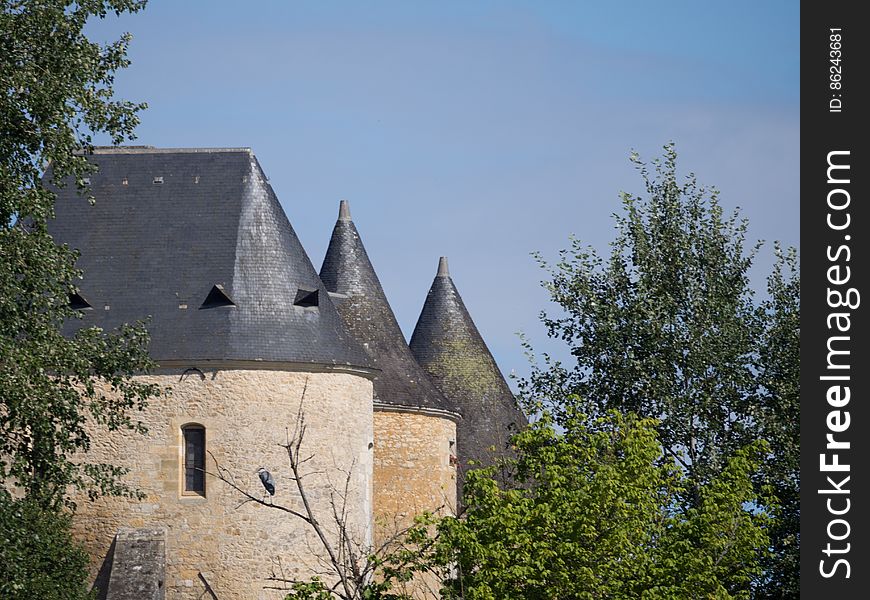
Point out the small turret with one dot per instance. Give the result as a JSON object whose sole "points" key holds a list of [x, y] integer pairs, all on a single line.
{"points": [[450, 349], [414, 424], [349, 276]]}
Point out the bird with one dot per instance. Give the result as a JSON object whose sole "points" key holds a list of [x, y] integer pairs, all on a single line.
{"points": [[268, 481]]}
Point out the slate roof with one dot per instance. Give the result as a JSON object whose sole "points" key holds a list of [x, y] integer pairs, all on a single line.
{"points": [[361, 301], [450, 349], [167, 227]]}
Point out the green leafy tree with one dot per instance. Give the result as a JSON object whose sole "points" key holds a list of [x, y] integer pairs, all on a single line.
{"points": [[779, 414], [668, 327], [55, 93], [594, 512], [37, 556]]}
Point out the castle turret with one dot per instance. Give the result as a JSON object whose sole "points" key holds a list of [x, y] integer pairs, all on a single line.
{"points": [[349, 276], [414, 424], [247, 338], [448, 346]]}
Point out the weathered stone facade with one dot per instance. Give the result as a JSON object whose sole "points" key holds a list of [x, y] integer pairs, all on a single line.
{"points": [[213, 541], [413, 468], [414, 472]]}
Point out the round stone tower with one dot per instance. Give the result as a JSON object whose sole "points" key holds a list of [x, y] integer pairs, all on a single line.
{"points": [[414, 424], [249, 341], [447, 344]]}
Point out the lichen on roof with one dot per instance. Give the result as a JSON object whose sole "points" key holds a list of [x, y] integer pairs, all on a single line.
{"points": [[450, 349], [348, 271]]}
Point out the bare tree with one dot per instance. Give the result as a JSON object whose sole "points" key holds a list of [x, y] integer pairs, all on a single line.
{"points": [[350, 567]]}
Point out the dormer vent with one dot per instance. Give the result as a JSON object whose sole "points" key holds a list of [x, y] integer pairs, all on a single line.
{"points": [[306, 298], [77, 302], [216, 298], [158, 179]]}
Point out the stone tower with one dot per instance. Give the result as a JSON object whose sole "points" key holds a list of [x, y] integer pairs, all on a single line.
{"points": [[414, 424], [448, 346], [246, 336]]}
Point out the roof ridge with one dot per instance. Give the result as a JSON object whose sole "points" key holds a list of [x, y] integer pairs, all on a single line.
{"points": [[101, 150]]}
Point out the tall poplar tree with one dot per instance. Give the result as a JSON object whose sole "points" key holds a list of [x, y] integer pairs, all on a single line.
{"points": [[668, 327], [778, 414]]}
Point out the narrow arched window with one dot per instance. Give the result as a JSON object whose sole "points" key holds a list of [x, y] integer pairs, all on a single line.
{"points": [[194, 459]]}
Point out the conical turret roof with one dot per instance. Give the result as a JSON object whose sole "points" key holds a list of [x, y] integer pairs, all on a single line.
{"points": [[348, 274], [450, 349], [196, 240]]}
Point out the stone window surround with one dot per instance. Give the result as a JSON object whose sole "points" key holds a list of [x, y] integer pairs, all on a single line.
{"points": [[184, 493]]}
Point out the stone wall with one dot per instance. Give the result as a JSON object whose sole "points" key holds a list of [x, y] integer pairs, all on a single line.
{"points": [[218, 546], [413, 473], [412, 470]]}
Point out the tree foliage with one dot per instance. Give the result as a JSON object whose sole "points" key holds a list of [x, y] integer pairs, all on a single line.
{"points": [[779, 413], [38, 558], [56, 93], [668, 327], [594, 513], [697, 497]]}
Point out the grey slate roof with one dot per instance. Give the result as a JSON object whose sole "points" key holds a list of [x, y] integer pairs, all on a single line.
{"points": [[148, 249], [347, 271], [450, 349]]}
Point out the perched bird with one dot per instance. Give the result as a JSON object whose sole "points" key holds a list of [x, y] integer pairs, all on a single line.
{"points": [[266, 478]]}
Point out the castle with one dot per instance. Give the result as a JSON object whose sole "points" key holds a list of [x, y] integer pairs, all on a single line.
{"points": [[250, 338]]}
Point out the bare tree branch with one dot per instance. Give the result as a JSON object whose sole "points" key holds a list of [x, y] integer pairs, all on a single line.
{"points": [[223, 475], [351, 562]]}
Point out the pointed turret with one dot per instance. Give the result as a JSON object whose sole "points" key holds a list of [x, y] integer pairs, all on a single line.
{"points": [[350, 278], [450, 349]]}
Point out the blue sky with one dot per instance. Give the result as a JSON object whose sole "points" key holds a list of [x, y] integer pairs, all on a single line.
{"points": [[481, 131]]}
